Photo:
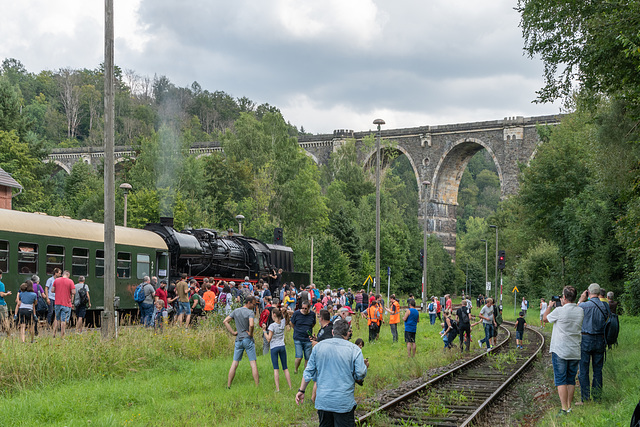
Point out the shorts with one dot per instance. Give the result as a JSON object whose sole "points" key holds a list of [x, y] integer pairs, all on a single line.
{"points": [[409, 336], [541, 314], [564, 371], [303, 348], [4, 312], [184, 307], [25, 316], [81, 311], [279, 352], [63, 313], [245, 344], [495, 332], [519, 335]]}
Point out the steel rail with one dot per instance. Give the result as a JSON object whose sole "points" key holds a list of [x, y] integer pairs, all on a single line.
{"points": [[389, 405]]}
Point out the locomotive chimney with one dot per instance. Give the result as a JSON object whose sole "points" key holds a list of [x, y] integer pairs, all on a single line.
{"points": [[166, 221]]}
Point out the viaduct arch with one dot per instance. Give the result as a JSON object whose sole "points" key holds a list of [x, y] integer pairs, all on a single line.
{"points": [[438, 154]]}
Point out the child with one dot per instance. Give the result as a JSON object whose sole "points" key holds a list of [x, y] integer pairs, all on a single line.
{"points": [[520, 324], [161, 315], [360, 343]]}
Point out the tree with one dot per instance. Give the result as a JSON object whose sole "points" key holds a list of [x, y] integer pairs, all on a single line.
{"points": [[591, 43], [70, 97]]}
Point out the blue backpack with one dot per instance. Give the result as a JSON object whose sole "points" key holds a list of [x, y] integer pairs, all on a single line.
{"points": [[139, 295]]}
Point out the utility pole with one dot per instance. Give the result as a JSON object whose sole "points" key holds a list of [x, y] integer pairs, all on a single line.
{"points": [[425, 284], [378, 122], [108, 321], [495, 288]]}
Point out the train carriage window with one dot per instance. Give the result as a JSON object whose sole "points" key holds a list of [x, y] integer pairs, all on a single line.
{"points": [[124, 265], [99, 263], [27, 258], [55, 258], [142, 265], [4, 255], [80, 262]]}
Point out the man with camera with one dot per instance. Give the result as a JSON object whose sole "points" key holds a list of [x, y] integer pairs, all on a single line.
{"points": [[593, 344], [565, 343]]}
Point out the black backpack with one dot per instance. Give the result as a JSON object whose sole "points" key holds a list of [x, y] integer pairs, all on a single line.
{"points": [[83, 298], [611, 327], [464, 316]]}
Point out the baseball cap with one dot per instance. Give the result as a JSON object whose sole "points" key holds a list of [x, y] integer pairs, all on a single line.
{"points": [[594, 288]]}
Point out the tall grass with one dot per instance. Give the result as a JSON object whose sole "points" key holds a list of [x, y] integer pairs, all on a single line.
{"points": [[86, 355]]}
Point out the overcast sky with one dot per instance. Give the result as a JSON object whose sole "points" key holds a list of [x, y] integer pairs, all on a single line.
{"points": [[327, 64]]}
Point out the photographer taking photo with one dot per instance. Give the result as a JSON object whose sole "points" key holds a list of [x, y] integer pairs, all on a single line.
{"points": [[565, 344]]}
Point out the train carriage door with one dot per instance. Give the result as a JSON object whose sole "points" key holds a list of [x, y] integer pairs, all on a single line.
{"points": [[162, 265]]}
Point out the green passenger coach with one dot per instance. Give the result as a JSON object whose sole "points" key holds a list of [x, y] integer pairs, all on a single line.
{"points": [[33, 243]]}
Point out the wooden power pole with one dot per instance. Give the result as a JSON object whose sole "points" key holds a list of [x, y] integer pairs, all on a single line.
{"points": [[108, 323]]}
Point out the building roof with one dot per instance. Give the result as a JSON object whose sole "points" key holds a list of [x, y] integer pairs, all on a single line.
{"points": [[7, 180]]}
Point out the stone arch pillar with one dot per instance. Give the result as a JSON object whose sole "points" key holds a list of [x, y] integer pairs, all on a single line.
{"points": [[443, 191]]}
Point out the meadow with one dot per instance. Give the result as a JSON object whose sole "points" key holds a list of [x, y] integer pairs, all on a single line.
{"points": [[178, 377]]}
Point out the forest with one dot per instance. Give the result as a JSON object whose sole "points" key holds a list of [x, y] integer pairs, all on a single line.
{"points": [[574, 221]]}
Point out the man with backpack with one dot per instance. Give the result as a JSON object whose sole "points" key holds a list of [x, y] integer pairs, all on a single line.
{"points": [[144, 295], [82, 301], [592, 348], [464, 325]]}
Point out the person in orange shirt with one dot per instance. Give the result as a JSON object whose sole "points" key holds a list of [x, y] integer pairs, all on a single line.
{"points": [[394, 317], [209, 299], [374, 320]]}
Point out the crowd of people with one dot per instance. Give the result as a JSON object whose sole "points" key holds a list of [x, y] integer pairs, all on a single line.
{"points": [[52, 302]]}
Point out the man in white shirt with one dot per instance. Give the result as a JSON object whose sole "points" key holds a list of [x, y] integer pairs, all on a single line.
{"points": [[565, 344]]}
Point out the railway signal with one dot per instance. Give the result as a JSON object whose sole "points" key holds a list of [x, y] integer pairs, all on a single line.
{"points": [[501, 260], [278, 236]]}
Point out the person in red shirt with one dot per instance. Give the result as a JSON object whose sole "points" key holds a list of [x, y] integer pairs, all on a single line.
{"points": [[161, 293], [317, 307], [447, 302], [372, 298], [438, 308], [65, 291]]}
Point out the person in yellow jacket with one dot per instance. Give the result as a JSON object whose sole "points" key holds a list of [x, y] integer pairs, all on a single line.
{"points": [[394, 316]]}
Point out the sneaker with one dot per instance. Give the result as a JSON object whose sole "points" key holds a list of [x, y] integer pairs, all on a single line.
{"points": [[561, 413], [480, 343], [569, 411]]}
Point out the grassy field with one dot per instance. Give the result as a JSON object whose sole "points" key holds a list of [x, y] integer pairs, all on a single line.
{"points": [[179, 378], [175, 378]]}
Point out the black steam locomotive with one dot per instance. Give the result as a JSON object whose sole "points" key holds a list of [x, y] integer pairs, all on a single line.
{"points": [[207, 253]]}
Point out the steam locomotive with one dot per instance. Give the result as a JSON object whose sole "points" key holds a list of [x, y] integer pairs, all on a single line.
{"points": [[206, 253]]}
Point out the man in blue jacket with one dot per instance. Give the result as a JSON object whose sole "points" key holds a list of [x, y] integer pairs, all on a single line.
{"points": [[335, 365]]}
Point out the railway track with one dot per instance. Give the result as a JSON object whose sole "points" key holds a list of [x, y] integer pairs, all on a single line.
{"points": [[459, 396]]}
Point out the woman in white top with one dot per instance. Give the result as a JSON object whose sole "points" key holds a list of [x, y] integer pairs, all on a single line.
{"points": [[275, 336], [543, 308]]}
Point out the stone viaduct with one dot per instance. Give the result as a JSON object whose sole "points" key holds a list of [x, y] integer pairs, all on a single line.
{"points": [[438, 154]]}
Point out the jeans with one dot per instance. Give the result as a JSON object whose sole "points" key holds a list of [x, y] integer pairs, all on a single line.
{"points": [[464, 341], [432, 318], [592, 351], [394, 331], [51, 313], [146, 313], [488, 333]]}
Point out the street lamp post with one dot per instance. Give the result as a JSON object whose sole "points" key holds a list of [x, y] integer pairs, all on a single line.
{"points": [[125, 187], [486, 262], [495, 287], [425, 291], [239, 218], [378, 122]]}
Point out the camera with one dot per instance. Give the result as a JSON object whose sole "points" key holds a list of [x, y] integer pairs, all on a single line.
{"points": [[556, 299]]}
